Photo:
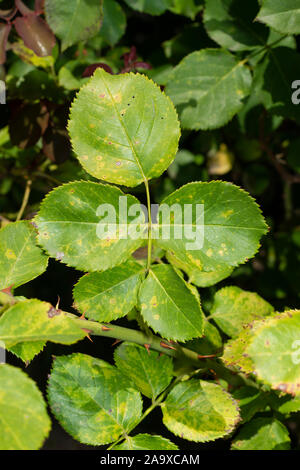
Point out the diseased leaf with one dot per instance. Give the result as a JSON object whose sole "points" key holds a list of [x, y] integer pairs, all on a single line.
{"points": [[150, 372], [71, 231], [196, 275], [111, 294], [275, 351], [223, 233], [28, 350], [200, 411], [36, 321], [169, 306], [233, 308], [23, 416], [262, 434], [146, 442], [73, 21], [21, 260], [235, 352], [282, 15], [208, 88], [92, 400], [189, 8], [230, 23], [114, 22], [118, 127]]}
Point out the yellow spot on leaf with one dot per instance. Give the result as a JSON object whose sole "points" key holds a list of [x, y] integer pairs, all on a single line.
{"points": [[10, 254]]}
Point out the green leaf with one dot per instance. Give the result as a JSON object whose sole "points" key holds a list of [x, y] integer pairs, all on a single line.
{"points": [[228, 226], [114, 22], [23, 416], [285, 404], [69, 227], [196, 275], [169, 306], [262, 434], [211, 343], [235, 352], [276, 73], [275, 351], [33, 320], [92, 400], [73, 21], [233, 308], [189, 8], [28, 350], [208, 88], [111, 294], [124, 130], [230, 24], [152, 7], [150, 372], [251, 400], [200, 411], [282, 15], [21, 259], [146, 442]]}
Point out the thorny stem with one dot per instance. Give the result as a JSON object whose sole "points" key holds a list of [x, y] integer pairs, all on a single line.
{"points": [[25, 200]]}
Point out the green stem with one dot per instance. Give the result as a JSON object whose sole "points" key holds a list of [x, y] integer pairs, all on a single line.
{"points": [[127, 334], [149, 225], [265, 47], [25, 200]]}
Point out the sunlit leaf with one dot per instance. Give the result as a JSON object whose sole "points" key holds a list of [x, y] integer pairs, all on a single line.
{"points": [[71, 231], [73, 21], [118, 127], [150, 372], [110, 294], [92, 400], [223, 233], [169, 306], [200, 411], [23, 416], [21, 259]]}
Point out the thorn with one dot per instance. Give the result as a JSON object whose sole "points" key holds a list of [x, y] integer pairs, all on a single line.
{"points": [[207, 356], [147, 346], [116, 342], [58, 302], [105, 328], [87, 334], [8, 290], [82, 317], [167, 346]]}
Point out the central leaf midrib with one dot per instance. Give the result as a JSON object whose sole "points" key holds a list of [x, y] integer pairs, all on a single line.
{"points": [[173, 302]]}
